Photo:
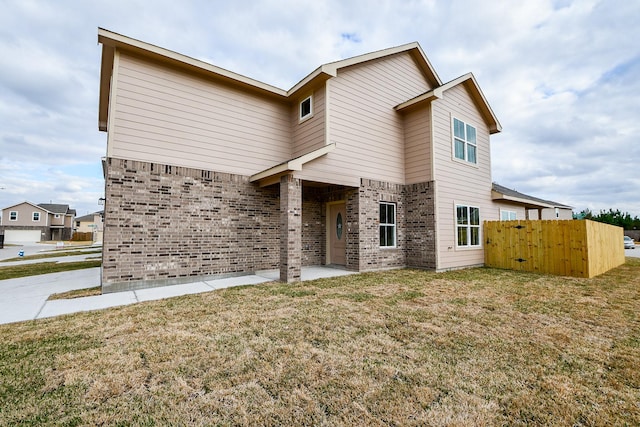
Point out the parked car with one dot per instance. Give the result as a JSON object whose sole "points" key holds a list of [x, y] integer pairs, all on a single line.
{"points": [[629, 243]]}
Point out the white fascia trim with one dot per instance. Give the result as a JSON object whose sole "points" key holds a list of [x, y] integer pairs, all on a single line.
{"points": [[324, 69], [293, 164]]}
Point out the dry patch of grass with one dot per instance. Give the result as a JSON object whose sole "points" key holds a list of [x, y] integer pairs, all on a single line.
{"points": [[407, 347], [78, 293]]}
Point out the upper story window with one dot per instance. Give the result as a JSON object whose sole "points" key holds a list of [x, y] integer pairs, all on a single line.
{"points": [[464, 141], [467, 226], [36, 216], [387, 224], [13, 216], [306, 108], [56, 216], [507, 215]]}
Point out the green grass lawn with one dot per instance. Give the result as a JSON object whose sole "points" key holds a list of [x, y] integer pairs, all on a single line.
{"points": [[404, 347], [24, 270]]}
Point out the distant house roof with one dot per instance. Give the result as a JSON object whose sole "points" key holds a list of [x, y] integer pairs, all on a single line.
{"points": [[503, 193], [57, 209], [89, 217]]}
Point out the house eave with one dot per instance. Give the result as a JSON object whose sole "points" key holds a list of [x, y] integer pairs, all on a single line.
{"points": [[527, 203], [319, 75]]}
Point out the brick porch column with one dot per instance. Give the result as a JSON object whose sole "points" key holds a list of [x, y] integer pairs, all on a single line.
{"points": [[290, 229]]}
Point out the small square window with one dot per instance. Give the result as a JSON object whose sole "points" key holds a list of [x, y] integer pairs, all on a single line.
{"points": [[36, 216], [13, 216], [306, 109]]}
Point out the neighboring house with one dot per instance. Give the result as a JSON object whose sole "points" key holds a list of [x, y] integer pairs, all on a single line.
{"points": [[368, 163], [516, 205], [91, 223], [28, 222]]}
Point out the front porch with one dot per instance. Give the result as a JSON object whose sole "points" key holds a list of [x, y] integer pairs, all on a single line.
{"points": [[325, 224]]}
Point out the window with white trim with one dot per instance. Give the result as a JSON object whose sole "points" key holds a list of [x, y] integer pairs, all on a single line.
{"points": [[36, 216], [13, 216], [464, 141], [507, 215], [467, 226], [387, 224], [306, 108]]}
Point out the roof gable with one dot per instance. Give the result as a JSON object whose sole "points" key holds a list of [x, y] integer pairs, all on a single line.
{"points": [[470, 83], [330, 69]]}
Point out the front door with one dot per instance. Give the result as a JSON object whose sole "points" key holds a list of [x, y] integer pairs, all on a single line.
{"points": [[337, 233]]}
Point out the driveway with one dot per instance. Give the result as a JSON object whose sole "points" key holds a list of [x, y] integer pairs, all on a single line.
{"points": [[24, 298], [11, 251]]}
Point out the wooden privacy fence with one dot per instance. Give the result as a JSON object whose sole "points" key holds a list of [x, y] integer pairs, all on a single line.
{"points": [[566, 248], [82, 237]]}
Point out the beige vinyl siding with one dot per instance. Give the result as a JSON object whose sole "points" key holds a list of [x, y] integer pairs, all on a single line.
{"points": [[367, 131], [418, 145], [309, 134], [458, 182], [167, 116], [550, 213], [60, 221], [25, 215]]}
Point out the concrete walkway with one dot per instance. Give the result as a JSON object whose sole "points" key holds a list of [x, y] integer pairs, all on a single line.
{"points": [[27, 298]]}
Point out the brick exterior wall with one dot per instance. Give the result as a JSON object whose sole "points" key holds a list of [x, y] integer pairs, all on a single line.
{"points": [[415, 226], [313, 230], [371, 255], [420, 223], [166, 225]]}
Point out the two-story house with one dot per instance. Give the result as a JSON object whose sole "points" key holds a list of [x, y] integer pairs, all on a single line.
{"points": [[28, 222], [369, 163]]}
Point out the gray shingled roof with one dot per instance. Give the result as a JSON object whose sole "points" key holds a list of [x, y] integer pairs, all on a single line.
{"points": [[57, 208], [513, 193]]}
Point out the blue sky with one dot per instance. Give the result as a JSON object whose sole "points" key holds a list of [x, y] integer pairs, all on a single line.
{"points": [[562, 77]]}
